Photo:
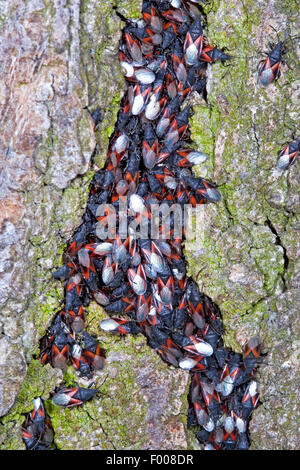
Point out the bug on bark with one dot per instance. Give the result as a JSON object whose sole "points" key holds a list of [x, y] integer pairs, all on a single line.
{"points": [[269, 69], [287, 156]]}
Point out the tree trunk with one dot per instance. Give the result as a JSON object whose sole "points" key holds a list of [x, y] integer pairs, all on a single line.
{"points": [[59, 63]]}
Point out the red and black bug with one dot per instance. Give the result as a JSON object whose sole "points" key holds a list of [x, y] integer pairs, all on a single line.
{"points": [[250, 400], [269, 70], [252, 353], [211, 55], [287, 156], [69, 397], [193, 43], [37, 432]]}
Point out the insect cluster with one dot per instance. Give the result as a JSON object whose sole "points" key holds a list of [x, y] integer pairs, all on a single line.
{"points": [[164, 57]]}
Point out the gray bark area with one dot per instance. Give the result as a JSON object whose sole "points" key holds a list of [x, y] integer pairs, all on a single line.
{"points": [[58, 62]]}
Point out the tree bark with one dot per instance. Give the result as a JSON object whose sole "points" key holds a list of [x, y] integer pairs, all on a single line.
{"points": [[59, 62]]}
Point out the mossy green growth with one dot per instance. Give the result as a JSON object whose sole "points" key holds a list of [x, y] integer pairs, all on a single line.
{"points": [[43, 311], [39, 382], [131, 9], [102, 423], [242, 264]]}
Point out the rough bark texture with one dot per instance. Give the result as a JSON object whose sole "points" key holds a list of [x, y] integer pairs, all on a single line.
{"points": [[58, 62]]}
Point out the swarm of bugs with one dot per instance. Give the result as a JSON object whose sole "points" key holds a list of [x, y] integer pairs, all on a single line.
{"points": [[165, 58]]}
